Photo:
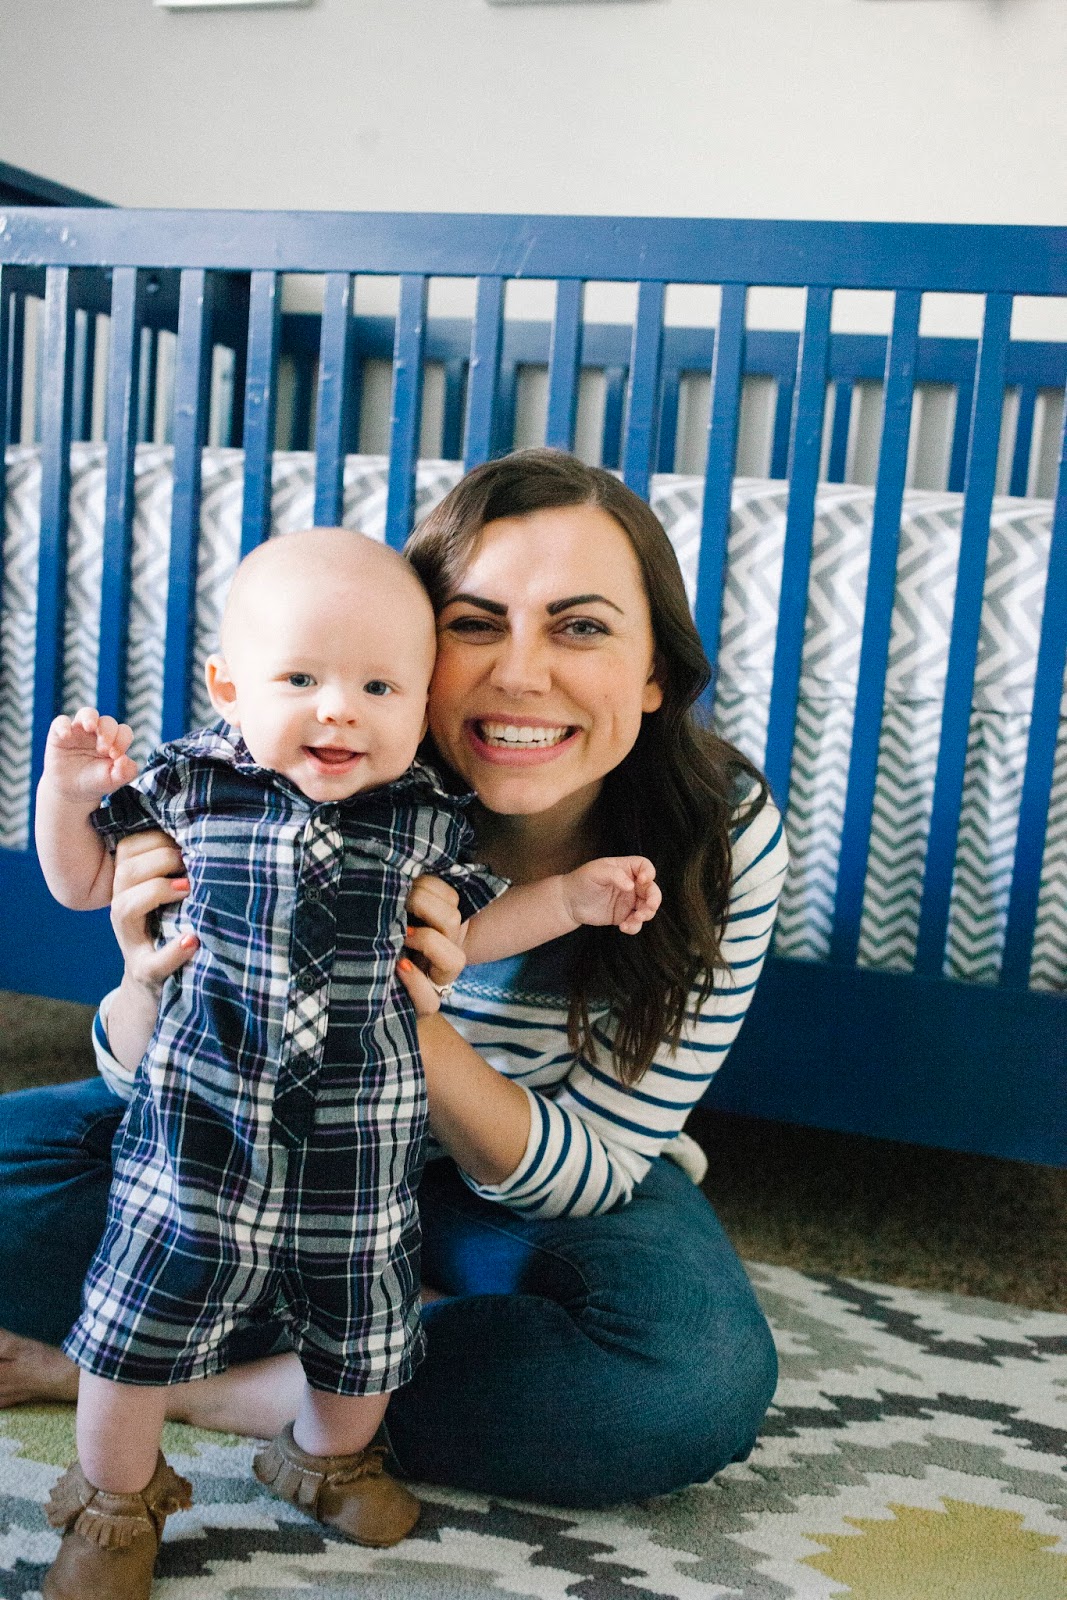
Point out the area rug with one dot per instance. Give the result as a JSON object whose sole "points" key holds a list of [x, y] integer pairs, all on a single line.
{"points": [[916, 1450]]}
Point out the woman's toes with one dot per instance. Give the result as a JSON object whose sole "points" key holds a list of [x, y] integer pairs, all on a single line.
{"points": [[30, 1370]]}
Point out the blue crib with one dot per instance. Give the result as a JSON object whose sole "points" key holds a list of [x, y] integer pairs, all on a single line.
{"points": [[911, 1054]]}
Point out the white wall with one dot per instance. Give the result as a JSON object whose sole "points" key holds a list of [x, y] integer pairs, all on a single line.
{"points": [[925, 110]]}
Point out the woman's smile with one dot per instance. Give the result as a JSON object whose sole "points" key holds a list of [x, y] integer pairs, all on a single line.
{"points": [[519, 741]]}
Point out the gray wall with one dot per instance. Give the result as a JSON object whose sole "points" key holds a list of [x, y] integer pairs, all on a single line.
{"points": [[927, 110]]}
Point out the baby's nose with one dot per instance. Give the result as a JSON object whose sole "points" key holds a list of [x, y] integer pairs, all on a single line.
{"points": [[334, 705]]}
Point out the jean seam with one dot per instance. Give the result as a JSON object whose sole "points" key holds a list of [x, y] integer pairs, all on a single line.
{"points": [[507, 1233]]}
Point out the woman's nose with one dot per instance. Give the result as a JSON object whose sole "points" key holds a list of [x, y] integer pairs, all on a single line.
{"points": [[521, 666]]}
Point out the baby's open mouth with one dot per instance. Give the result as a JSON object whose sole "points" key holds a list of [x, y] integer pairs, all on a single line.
{"points": [[510, 735], [329, 755]]}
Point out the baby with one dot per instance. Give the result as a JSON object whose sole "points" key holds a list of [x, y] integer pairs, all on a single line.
{"points": [[268, 1163]]}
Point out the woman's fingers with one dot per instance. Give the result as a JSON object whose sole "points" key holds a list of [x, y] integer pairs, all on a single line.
{"points": [[443, 960], [424, 996], [143, 856], [436, 903]]}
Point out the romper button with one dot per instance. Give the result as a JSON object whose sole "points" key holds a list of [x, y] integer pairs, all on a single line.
{"points": [[311, 895], [305, 981]]}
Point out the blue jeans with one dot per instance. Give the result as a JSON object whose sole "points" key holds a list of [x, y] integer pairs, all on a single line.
{"points": [[580, 1362]]}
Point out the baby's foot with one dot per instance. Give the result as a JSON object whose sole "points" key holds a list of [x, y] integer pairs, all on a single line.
{"points": [[30, 1370]]}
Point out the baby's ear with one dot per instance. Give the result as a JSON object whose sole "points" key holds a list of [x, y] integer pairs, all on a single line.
{"points": [[221, 688]]}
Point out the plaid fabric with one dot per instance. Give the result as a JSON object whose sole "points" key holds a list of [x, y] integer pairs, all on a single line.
{"points": [[269, 1159]]}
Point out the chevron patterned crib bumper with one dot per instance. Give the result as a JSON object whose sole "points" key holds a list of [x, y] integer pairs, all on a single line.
{"points": [[926, 575]]}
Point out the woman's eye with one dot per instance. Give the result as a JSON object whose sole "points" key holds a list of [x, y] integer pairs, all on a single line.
{"points": [[471, 627], [583, 628], [377, 686], [299, 680]]}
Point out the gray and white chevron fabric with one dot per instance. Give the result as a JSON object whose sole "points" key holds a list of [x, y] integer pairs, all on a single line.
{"points": [[926, 574]]}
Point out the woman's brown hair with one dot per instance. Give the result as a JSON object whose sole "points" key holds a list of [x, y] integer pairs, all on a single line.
{"points": [[673, 798]]}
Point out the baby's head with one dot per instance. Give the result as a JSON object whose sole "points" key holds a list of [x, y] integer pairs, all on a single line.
{"points": [[328, 644]]}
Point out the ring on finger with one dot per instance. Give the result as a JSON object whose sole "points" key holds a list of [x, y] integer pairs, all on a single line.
{"points": [[442, 990]]}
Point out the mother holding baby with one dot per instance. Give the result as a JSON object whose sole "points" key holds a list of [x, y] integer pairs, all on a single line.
{"points": [[591, 1335]]}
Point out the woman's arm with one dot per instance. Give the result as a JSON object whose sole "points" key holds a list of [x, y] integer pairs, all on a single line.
{"points": [[590, 1138], [480, 1117]]}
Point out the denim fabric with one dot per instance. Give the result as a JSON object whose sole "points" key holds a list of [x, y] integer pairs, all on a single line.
{"points": [[579, 1361]]}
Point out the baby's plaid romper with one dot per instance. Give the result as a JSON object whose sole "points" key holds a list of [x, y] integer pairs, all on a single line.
{"points": [[268, 1162]]}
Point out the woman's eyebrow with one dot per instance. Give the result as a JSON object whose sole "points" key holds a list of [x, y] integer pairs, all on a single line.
{"points": [[493, 606], [556, 606]]}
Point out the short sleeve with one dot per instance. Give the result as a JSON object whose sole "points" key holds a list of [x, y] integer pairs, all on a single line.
{"points": [[476, 886], [143, 804]]}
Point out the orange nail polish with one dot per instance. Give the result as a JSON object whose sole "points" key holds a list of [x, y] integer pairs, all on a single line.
{"points": [[405, 965]]}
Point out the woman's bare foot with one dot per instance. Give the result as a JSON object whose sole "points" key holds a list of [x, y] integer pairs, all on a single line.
{"points": [[30, 1370]]}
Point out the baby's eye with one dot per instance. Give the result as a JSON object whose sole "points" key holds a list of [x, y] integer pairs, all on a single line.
{"points": [[299, 680], [377, 686]]}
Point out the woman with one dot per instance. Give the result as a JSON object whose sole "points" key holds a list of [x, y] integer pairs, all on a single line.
{"points": [[591, 1334]]}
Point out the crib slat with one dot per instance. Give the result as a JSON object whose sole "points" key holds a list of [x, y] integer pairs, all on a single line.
{"points": [[667, 421], [564, 358], [56, 408], [877, 621], [957, 463], [783, 422], [642, 395], [452, 410], [9, 395], [835, 471], [507, 400], [804, 453], [123, 387], [147, 427], [261, 402], [1024, 438], [1041, 749], [192, 392], [486, 339], [336, 346], [614, 404], [407, 407], [17, 348], [728, 364], [963, 644]]}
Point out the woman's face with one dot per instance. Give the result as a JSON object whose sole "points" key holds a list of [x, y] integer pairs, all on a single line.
{"points": [[545, 661]]}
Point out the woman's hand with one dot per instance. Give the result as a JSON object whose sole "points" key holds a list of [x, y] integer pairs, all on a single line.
{"points": [[435, 935], [149, 874]]}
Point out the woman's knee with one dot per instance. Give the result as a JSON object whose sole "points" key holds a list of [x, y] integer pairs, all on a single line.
{"points": [[55, 1169]]}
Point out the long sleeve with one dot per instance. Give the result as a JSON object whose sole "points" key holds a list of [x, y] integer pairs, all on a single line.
{"points": [[592, 1139]]}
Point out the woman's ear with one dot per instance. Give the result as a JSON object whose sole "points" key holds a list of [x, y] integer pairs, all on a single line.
{"points": [[652, 695], [222, 691]]}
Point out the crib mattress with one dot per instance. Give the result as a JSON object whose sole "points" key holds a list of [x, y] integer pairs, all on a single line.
{"points": [[929, 548]]}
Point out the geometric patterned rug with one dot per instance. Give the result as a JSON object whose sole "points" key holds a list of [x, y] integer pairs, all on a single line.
{"points": [[916, 1450]]}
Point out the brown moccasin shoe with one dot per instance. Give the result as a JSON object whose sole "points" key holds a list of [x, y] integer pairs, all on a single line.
{"points": [[353, 1494], [109, 1540]]}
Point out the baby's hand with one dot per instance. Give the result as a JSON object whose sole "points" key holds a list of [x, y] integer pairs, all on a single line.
{"points": [[85, 757], [614, 889]]}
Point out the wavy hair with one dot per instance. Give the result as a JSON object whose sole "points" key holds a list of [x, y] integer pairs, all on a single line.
{"points": [[673, 798]]}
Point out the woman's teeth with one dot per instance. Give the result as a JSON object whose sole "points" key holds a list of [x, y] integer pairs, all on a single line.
{"points": [[507, 733]]}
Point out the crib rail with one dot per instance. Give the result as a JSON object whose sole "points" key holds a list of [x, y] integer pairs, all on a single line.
{"points": [[214, 282]]}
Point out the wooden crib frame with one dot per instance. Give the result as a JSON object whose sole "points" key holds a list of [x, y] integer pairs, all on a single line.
{"points": [[910, 1056]]}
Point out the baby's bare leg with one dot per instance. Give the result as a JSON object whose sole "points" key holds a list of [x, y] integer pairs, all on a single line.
{"points": [[32, 1371], [337, 1424], [119, 1428]]}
